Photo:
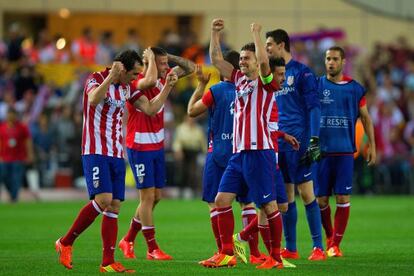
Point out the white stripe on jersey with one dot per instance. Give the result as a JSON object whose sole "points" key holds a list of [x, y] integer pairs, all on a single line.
{"points": [[149, 137], [253, 120], [87, 142], [96, 128], [108, 127]]}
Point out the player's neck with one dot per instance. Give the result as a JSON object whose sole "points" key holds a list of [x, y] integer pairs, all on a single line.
{"points": [[287, 57], [253, 76], [336, 78]]}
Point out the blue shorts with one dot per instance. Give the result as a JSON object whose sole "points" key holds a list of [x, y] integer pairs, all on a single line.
{"points": [[148, 168], [334, 174], [104, 174], [211, 180], [251, 172], [292, 171]]}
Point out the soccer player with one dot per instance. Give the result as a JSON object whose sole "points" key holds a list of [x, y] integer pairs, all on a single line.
{"points": [[145, 148], [219, 102], [342, 101], [104, 99], [277, 66], [299, 115], [251, 168]]}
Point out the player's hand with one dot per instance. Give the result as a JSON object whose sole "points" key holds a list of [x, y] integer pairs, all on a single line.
{"points": [[116, 69], [217, 25], [313, 153], [147, 55], [202, 78], [291, 141], [254, 27], [171, 78], [371, 156]]}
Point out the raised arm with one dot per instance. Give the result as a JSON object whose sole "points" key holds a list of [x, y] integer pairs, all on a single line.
{"points": [[150, 74], [369, 130], [151, 107], [261, 55], [98, 94], [195, 105], [216, 56], [184, 66]]}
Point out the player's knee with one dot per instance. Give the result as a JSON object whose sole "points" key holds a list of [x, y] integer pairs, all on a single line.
{"points": [[270, 207], [322, 202], [283, 207], [222, 201], [342, 199], [103, 201]]}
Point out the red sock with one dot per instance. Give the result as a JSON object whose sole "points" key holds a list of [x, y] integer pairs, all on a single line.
{"points": [[149, 234], [275, 227], [265, 233], [109, 231], [249, 215], [249, 230], [326, 221], [85, 218], [341, 220], [134, 228], [214, 225], [226, 228]]}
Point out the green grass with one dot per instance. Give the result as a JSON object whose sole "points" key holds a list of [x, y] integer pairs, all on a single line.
{"points": [[379, 240]]}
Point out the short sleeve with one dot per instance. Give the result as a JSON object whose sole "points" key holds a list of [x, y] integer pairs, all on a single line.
{"points": [[208, 99], [94, 80]]}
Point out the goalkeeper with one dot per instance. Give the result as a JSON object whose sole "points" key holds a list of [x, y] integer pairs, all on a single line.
{"points": [[299, 115]]}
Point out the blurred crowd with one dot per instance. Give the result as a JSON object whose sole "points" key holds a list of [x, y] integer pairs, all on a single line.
{"points": [[53, 114]]}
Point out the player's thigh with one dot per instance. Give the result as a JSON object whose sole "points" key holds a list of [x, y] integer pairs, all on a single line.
{"points": [[323, 181], [96, 169], [212, 175], [281, 195], [259, 174], [283, 166], [142, 166], [232, 179], [159, 169], [344, 168], [118, 170]]}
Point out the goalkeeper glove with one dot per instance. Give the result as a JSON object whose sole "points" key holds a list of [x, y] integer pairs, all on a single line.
{"points": [[313, 153]]}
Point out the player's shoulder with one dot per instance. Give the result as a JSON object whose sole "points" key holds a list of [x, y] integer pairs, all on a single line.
{"points": [[223, 85]]}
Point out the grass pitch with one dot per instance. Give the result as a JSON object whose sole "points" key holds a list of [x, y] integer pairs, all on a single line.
{"points": [[379, 240]]}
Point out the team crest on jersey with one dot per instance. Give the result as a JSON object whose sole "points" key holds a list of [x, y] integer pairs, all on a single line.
{"points": [[96, 184], [290, 80], [245, 91], [140, 179]]}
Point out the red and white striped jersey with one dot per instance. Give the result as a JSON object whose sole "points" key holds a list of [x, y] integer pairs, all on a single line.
{"points": [[253, 106], [102, 124], [146, 133]]}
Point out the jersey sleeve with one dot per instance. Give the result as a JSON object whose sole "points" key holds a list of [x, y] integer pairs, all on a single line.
{"points": [[208, 99], [135, 92], [94, 80], [362, 101], [308, 88]]}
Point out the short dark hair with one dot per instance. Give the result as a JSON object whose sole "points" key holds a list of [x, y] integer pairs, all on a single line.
{"points": [[276, 62], [280, 36], [338, 49], [158, 51], [232, 57], [128, 58], [249, 47]]}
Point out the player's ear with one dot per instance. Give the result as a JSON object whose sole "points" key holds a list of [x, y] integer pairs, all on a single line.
{"points": [[343, 61]]}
